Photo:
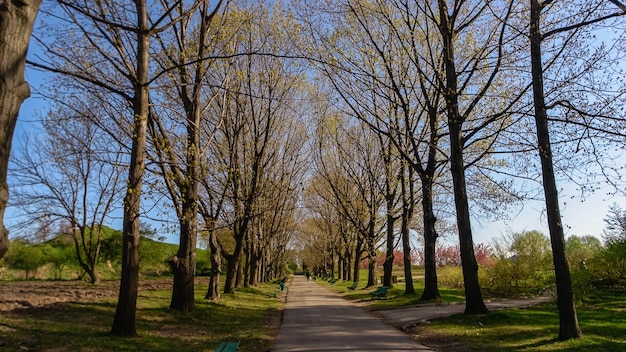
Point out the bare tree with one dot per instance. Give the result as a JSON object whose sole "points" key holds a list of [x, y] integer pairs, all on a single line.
{"points": [[71, 176], [17, 19]]}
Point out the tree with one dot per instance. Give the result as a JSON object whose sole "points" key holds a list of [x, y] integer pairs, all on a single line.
{"points": [[188, 57], [615, 231], [582, 255], [108, 54], [384, 60], [612, 259], [17, 19], [568, 318], [71, 176], [255, 134], [451, 23]]}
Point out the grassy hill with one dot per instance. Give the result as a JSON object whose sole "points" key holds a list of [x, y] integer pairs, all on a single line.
{"points": [[55, 259]]}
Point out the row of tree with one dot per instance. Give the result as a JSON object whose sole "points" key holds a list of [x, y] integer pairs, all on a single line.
{"points": [[427, 95], [195, 102], [216, 101]]}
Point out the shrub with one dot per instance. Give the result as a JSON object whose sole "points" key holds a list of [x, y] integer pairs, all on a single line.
{"points": [[522, 265]]}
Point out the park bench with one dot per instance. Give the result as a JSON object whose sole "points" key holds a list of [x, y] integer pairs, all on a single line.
{"points": [[353, 286], [227, 347], [380, 292]]}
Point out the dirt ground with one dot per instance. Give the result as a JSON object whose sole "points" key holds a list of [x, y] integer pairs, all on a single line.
{"points": [[34, 294]]}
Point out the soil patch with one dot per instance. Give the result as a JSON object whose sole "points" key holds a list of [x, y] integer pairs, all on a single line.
{"points": [[35, 294]]}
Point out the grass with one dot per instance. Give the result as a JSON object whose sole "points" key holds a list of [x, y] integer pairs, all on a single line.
{"points": [[395, 295], [602, 319], [242, 317], [534, 329]]}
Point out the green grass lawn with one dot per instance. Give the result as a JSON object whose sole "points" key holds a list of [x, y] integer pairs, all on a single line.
{"points": [[243, 317]]}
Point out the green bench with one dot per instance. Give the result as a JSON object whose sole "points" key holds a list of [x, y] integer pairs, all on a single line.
{"points": [[380, 292], [227, 347], [353, 286]]}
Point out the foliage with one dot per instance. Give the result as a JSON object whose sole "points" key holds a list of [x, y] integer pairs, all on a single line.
{"points": [[582, 254], [59, 257], [611, 262], [615, 231], [397, 258], [522, 265], [451, 276], [25, 257]]}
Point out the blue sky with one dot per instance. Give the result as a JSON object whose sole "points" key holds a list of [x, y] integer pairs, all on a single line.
{"points": [[580, 217]]}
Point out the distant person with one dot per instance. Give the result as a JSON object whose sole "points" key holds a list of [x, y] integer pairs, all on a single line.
{"points": [[308, 275]]}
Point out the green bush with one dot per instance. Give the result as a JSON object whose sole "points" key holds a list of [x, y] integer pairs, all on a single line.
{"points": [[25, 257], [450, 276], [522, 265]]}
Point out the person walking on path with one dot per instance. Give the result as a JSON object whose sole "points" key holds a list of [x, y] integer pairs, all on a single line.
{"points": [[317, 319]]}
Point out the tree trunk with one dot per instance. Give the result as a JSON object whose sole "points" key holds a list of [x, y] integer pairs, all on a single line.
{"points": [[16, 25], [431, 288], [357, 259], [124, 320], [184, 263], [213, 291], [371, 271], [340, 266], [408, 201], [253, 266], [389, 256], [568, 318], [234, 260], [474, 303], [406, 247]]}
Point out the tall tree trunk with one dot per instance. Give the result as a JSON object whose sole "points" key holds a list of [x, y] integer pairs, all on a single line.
{"points": [[431, 288], [16, 25], [474, 303], [184, 263], [124, 321], [408, 205], [406, 256], [340, 266], [389, 256], [348, 265], [568, 318], [253, 265], [358, 250]]}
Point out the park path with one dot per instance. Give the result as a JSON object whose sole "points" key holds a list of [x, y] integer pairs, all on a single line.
{"points": [[317, 319]]}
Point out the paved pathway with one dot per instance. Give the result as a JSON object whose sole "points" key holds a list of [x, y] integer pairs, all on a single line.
{"points": [[317, 319], [407, 316]]}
